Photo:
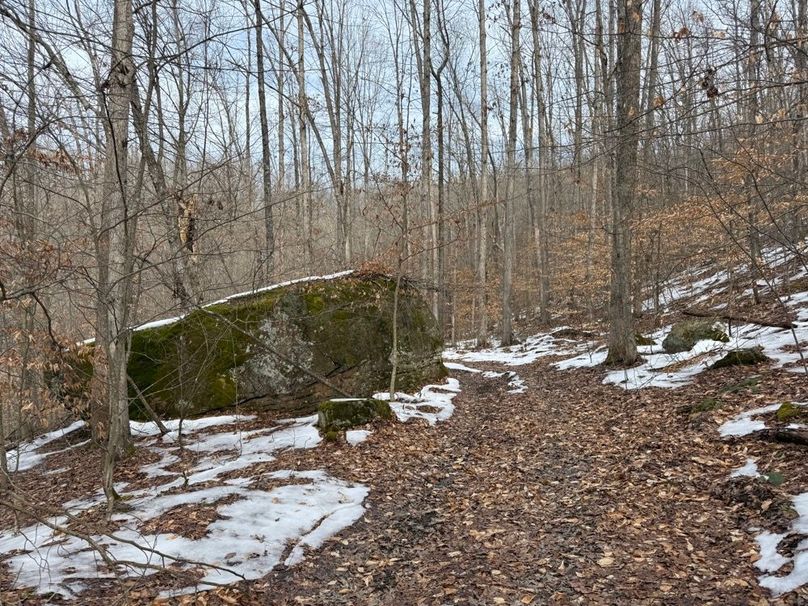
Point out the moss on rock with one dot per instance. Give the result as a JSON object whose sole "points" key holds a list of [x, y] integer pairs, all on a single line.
{"points": [[743, 356], [339, 328], [684, 335], [790, 412], [344, 413], [640, 339]]}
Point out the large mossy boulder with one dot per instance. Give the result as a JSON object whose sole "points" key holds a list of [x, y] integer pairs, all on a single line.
{"points": [[339, 329], [684, 335], [337, 415]]}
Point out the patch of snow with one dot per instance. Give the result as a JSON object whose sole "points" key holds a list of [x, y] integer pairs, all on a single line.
{"points": [[461, 367], [748, 470], [776, 343], [255, 530], [516, 384], [149, 428], [535, 347], [586, 359], [771, 560], [743, 424], [432, 404], [26, 456], [356, 436]]}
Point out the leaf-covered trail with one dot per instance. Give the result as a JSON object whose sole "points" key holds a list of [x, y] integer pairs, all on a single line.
{"points": [[573, 492]]}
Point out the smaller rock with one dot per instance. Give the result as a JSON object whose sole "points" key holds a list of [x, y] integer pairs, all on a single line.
{"points": [[684, 335], [335, 416], [790, 412], [743, 356], [640, 339]]}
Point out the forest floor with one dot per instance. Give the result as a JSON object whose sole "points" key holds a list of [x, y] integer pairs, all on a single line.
{"points": [[547, 487], [573, 492]]}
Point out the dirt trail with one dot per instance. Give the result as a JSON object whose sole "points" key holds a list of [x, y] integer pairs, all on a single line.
{"points": [[573, 492]]}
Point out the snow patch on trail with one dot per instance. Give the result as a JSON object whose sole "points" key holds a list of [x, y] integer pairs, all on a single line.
{"points": [[661, 369], [771, 560], [744, 423], [461, 367], [256, 528], [432, 404], [357, 436], [535, 347], [748, 470]]}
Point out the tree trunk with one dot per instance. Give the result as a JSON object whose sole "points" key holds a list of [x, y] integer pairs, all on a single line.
{"points": [[508, 220], [622, 347], [116, 242], [483, 218], [268, 268]]}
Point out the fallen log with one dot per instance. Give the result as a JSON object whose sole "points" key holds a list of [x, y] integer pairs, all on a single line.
{"points": [[696, 313], [788, 436]]}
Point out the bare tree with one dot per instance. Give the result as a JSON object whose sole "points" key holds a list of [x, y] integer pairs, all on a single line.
{"points": [[622, 346]]}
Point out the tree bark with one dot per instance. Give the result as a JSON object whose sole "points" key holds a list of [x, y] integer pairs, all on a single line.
{"points": [[622, 347], [508, 220], [483, 217], [116, 242], [268, 269]]}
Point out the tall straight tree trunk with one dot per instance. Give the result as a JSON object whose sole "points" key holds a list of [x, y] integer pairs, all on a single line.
{"points": [[575, 14], [482, 210], [403, 152], [303, 139], [268, 265], [622, 347], [508, 220], [440, 242], [752, 110], [540, 226], [30, 377], [423, 57], [116, 242], [280, 80]]}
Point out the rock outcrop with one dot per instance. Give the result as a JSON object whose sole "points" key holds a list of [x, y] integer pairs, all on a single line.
{"points": [[270, 349], [684, 335]]}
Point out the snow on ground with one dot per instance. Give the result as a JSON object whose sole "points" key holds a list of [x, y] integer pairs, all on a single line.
{"points": [[27, 454], [515, 383], [256, 528], [432, 404], [660, 369], [747, 470], [535, 347], [461, 367], [771, 560], [710, 284], [745, 423], [357, 436]]}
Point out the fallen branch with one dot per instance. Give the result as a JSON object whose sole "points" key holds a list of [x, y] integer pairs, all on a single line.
{"points": [[787, 436], [147, 407], [736, 318]]}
